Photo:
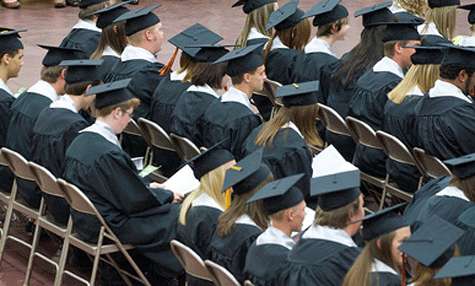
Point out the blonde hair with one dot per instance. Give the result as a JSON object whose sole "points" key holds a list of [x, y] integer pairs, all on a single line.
{"points": [[422, 76], [256, 19], [417, 7], [211, 184], [444, 19], [337, 218]]}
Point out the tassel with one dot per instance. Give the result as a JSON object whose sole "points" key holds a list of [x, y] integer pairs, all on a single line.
{"points": [[403, 271], [227, 200], [168, 67]]}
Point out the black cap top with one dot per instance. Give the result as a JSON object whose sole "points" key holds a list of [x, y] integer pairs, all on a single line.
{"points": [[209, 53], [443, 3], [299, 94], [471, 14], [459, 55], [86, 3], [462, 167], [10, 40], [336, 190], [286, 16], [327, 11], [461, 269], [383, 222], [82, 70], [376, 14], [111, 93], [467, 217], [107, 15], [139, 19], [279, 195], [211, 159], [402, 30], [250, 5], [56, 55], [431, 244], [427, 55], [196, 34], [247, 174], [243, 60]]}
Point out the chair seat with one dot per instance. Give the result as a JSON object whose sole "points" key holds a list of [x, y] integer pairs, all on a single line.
{"points": [[51, 226], [379, 182], [25, 210], [92, 249], [399, 193]]}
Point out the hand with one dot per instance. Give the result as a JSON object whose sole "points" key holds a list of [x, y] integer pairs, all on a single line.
{"points": [[177, 198], [155, 185]]}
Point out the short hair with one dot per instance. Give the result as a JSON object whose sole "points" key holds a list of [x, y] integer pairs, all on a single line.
{"points": [[337, 218], [389, 47], [51, 74], [206, 73], [86, 13], [80, 87], [136, 38], [131, 103], [9, 53], [451, 71], [326, 30]]}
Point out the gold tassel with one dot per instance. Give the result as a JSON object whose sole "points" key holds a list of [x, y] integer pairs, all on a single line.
{"points": [[168, 67], [227, 200]]}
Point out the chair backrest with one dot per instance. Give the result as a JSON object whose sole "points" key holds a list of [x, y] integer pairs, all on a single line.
{"points": [[270, 90], [221, 276], [18, 164], [133, 129], [3, 161], [46, 181], [190, 261], [432, 166], [157, 136], [333, 121], [248, 283], [77, 200], [187, 149], [363, 133], [395, 149]]}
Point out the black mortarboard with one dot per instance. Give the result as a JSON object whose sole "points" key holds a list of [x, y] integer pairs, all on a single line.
{"points": [[471, 14], [442, 3], [246, 174], [286, 16], [467, 217], [427, 55], [10, 40], [56, 55], [279, 195], [211, 159], [250, 5], [461, 269], [299, 94], [111, 93], [383, 222], [82, 70], [209, 53], [107, 16], [432, 243], [139, 19], [376, 14], [327, 11], [459, 55], [434, 40], [401, 30], [336, 190], [462, 167], [243, 60], [86, 3], [192, 36]]}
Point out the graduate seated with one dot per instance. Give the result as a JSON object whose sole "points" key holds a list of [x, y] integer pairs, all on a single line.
{"points": [[466, 221], [440, 18], [138, 213], [467, 40], [285, 206], [241, 223], [460, 270], [380, 262], [257, 14]]}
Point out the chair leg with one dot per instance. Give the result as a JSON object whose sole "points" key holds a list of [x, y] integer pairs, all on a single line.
{"points": [[383, 195], [97, 257], [58, 279], [34, 245], [117, 268], [8, 219], [134, 266], [421, 181]]}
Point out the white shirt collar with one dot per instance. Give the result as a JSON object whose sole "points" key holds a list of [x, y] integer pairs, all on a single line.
{"points": [[274, 235], [454, 192], [444, 88], [317, 45], [87, 25], [108, 51], [429, 29], [415, 91], [395, 8], [4, 86], [245, 219], [331, 234], [206, 201], [204, 88], [277, 44], [64, 102], [136, 53], [255, 34], [235, 95], [379, 266], [45, 89], [104, 130], [387, 64], [176, 76], [467, 41]]}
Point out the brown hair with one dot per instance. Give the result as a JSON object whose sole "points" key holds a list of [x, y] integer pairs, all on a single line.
{"points": [[424, 277], [337, 218], [256, 19], [124, 106], [51, 74], [295, 37], [86, 13], [112, 36], [466, 185], [206, 73], [80, 87], [185, 62], [326, 30], [389, 47]]}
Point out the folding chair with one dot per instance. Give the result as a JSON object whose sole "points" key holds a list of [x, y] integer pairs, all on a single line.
{"points": [[4, 196], [190, 261], [186, 149], [333, 121], [269, 91], [431, 167], [248, 283], [134, 129], [107, 241], [221, 276]]}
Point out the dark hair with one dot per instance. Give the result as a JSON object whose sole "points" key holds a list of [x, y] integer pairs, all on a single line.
{"points": [[80, 87], [240, 78], [114, 39], [362, 57], [10, 53], [51, 74], [451, 71], [295, 37], [206, 73], [326, 30]]}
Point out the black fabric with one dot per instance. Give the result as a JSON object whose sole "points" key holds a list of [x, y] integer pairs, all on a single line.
{"points": [[108, 64], [285, 65], [82, 39], [384, 279], [6, 100], [259, 270]]}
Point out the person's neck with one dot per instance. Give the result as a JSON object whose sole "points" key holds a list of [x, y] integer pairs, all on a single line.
{"points": [[330, 40], [77, 102], [398, 61], [282, 226], [109, 121], [58, 87], [143, 46], [4, 75], [244, 88], [351, 230]]}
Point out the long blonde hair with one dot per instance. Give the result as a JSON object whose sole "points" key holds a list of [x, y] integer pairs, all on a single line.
{"points": [[444, 19], [422, 76], [417, 7], [256, 19]]}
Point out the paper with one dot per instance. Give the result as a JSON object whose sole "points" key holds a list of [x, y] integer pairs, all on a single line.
{"points": [[329, 162], [148, 170], [307, 221], [182, 182], [138, 162]]}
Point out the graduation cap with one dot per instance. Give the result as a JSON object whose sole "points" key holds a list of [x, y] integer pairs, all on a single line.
{"points": [[432, 243], [243, 60], [209, 53], [442, 3], [139, 19], [460, 268], [196, 34], [111, 93], [250, 5], [86, 3], [434, 40], [459, 55], [107, 15], [327, 11], [211, 159], [285, 17], [401, 30], [376, 14], [462, 167], [56, 55], [279, 195], [429, 55], [383, 222], [471, 14], [299, 94], [246, 174], [467, 217], [82, 70], [10, 40], [336, 190]]}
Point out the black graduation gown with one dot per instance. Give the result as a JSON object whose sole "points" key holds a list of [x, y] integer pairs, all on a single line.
{"points": [[187, 118], [367, 104], [286, 66], [228, 120], [24, 112], [6, 100], [145, 79], [53, 132], [265, 262], [399, 121], [108, 65], [384, 279], [315, 63], [287, 155], [446, 127], [466, 243], [230, 251], [83, 39]]}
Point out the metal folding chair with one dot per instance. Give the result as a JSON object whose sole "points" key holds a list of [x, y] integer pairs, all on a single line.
{"points": [[190, 261], [221, 276], [134, 129], [431, 166], [186, 149]]}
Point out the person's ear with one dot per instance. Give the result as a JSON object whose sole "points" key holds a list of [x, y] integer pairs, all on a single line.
{"points": [[247, 77], [378, 243], [115, 29], [62, 75], [463, 76], [398, 48], [6, 59]]}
